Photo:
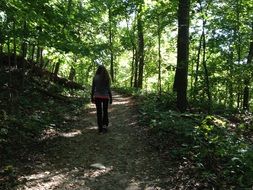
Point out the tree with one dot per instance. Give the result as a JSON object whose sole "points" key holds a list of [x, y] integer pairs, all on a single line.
{"points": [[140, 44], [248, 75], [157, 20], [180, 82]]}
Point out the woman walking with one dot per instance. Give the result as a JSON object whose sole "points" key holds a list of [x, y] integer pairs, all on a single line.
{"points": [[101, 95]]}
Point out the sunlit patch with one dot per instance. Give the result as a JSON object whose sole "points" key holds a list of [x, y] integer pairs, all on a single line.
{"points": [[117, 96], [49, 132], [61, 179], [92, 112], [97, 172], [121, 102], [132, 123], [43, 181], [91, 127], [71, 134], [133, 185]]}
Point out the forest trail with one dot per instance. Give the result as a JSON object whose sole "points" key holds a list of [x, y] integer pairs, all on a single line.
{"points": [[123, 158]]}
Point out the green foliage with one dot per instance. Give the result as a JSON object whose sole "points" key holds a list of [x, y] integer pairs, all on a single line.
{"points": [[34, 113], [221, 157], [3, 127], [222, 153], [128, 91], [76, 33], [9, 175], [157, 113]]}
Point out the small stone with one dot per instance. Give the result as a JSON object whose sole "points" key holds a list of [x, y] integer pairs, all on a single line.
{"points": [[98, 166]]}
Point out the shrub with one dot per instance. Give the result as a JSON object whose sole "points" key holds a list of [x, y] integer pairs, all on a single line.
{"points": [[221, 157]]}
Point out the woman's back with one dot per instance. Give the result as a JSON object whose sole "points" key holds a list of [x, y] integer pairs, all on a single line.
{"points": [[101, 86]]}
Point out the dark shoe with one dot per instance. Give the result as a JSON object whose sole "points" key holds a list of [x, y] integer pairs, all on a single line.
{"points": [[100, 130]]}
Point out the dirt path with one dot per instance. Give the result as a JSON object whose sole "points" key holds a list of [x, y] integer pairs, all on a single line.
{"points": [[122, 158]]}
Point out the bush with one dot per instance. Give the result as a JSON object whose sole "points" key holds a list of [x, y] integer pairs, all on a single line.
{"points": [[221, 157], [223, 153]]}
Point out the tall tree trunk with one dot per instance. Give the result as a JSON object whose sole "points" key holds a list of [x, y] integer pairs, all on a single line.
{"points": [[14, 44], [41, 57], [38, 46], [23, 49], [230, 82], [24, 45], [136, 63], [247, 79], [10, 86], [111, 44], [32, 52], [140, 46], [1, 49], [180, 82], [131, 35], [56, 69], [206, 71], [237, 34], [239, 98], [197, 68], [206, 75], [132, 67], [72, 74], [38, 55], [159, 57]]}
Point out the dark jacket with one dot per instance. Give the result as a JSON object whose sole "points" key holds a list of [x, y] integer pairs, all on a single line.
{"points": [[100, 89]]}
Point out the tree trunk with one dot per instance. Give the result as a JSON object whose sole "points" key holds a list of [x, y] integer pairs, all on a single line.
{"points": [[136, 63], [140, 46], [41, 57], [23, 49], [10, 77], [247, 79], [159, 57], [132, 67], [180, 82], [1, 49], [237, 33], [197, 68], [72, 74], [111, 45], [230, 82], [14, 44], [24, 45], [206, 72], [133, 52], [237, 40], [239, 98], [56, 70], [38, 55], [38, 46], [32, 53]]}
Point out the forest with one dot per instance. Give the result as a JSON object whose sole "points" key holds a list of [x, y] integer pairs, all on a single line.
{"points": [[181, 73]]}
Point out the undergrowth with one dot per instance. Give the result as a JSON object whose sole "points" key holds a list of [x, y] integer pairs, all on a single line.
{"points": [[218, 149], [24, 120]]}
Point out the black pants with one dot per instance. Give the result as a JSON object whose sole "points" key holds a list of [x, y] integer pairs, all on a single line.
{"points": [[102, 112]]}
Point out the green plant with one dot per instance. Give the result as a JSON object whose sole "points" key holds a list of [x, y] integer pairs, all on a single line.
{"points": [[223, 153]]}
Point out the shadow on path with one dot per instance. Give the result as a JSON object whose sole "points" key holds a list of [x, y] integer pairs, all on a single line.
{"points": [[123, 159]]}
